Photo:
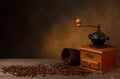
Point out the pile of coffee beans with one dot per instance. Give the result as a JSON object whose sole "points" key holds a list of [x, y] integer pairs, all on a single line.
{"points": [[43, 70]]}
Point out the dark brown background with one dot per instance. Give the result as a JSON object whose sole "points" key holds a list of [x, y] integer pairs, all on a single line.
{"points": [[42, 28]]}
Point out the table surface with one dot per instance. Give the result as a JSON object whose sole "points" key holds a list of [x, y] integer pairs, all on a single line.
{"points": [[113, 74]]}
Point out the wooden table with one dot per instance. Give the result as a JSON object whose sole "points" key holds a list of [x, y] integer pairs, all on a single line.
{"points": [[114, 74]]}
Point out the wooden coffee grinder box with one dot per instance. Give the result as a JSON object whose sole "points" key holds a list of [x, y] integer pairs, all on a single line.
{"points": [[98, 59]]}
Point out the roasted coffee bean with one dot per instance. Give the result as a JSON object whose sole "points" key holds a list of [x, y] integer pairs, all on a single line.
{"points": [[40, 69]]}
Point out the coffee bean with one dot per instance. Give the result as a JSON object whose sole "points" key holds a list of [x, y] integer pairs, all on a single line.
{"points": [[62, 68]]}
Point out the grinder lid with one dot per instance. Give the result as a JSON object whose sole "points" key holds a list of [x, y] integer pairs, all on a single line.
{"points": [[98, 35]]}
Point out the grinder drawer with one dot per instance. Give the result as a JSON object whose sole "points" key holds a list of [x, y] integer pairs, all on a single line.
{"points": [[90, 64]]}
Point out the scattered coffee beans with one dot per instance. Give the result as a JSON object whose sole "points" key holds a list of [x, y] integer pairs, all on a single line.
{"points": [[43, 70]]}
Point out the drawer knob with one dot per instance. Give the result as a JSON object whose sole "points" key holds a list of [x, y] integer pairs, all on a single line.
{"points": [[89, 55], [89, 64]]}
